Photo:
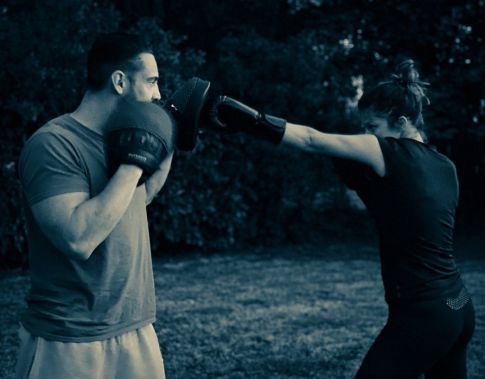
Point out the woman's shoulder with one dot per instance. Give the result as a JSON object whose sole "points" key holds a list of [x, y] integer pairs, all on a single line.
{"points": [[413, 151]]}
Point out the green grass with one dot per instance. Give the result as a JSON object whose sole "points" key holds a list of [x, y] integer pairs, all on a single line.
{"points": [[280, 313]]}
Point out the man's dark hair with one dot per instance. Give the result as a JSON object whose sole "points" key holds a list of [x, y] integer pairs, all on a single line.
{"points": [[110, 52]]}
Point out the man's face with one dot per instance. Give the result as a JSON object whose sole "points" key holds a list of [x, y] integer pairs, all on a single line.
{"points": [[143, 83]]}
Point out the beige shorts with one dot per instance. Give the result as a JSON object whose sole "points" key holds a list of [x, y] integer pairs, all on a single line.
{"points": [[133, 355]]}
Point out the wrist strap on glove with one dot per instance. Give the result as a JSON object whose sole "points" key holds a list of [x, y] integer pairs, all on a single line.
{"points": [[270, 128], [232, 115]]}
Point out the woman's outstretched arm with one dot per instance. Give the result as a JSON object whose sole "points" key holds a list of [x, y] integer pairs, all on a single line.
{"points": [[232, 115], [363, 148]]}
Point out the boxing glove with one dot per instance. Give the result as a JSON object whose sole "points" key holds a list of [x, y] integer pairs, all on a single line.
{"points": [[135, 146], [234, 116], [185, 105], [140, 134]]}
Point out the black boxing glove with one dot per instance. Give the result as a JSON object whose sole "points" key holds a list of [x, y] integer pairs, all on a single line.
{"points": [[140, 134], [229, 114], [138, 147], [185, 105]]}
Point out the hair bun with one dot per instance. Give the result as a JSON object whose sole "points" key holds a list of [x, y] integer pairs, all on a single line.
{"points": [[406, 73], [408, 77]]}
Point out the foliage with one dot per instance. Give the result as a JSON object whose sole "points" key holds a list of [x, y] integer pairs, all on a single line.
{"points": [[44, 50], [12, 225], [305, 60]]}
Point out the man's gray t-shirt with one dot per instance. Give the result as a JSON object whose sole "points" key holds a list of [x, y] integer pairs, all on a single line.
{"points": [[113, 291]]}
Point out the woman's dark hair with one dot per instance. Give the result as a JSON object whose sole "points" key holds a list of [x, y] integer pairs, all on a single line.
{"points": [[402, 95], [111, 52]]}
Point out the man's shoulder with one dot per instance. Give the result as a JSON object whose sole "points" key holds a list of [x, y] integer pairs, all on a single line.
{"points": [[60, 126], [60, 131], [53, 137]]}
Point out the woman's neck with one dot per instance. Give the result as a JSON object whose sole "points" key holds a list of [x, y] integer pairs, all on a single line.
{"points": [[412, 132]]}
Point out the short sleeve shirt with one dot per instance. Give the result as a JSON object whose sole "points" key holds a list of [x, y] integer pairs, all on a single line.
{"points": [[113, 291], [414, 207]]}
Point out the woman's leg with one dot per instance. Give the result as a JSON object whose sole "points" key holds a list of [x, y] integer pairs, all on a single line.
{"points": [[394, 354], [415, 338], [453, 364]]}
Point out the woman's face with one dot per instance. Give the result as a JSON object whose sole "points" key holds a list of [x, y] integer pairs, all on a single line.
{"points": [[377, 124]]}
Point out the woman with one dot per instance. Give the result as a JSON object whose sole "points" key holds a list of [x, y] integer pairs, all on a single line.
{"points": [[411, 191]]}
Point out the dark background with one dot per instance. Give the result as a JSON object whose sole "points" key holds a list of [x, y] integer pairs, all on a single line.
{"points": [[305, 60]]}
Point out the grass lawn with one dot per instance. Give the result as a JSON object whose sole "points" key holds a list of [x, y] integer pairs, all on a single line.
{"points": [[279, 313]]}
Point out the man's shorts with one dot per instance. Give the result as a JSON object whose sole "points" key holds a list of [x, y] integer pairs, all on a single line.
{"points": [[132, 355]]}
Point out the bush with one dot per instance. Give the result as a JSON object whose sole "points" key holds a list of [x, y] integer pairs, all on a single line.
{"points": [[307, 61], [12, 225]]}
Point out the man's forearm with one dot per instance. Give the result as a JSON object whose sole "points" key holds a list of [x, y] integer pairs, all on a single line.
{"points": [[94, 219], [154, 183]]}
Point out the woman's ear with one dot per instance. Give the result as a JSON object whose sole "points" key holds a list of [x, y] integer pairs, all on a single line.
{"points": [[406, 129], [119, 81], [401, 123]]}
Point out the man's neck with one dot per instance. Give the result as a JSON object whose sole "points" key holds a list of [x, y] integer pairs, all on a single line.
{"points": [[94, 110]]}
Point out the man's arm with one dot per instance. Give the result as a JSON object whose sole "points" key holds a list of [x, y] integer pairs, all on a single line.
{"points": [[154, 183], [77, 224]]}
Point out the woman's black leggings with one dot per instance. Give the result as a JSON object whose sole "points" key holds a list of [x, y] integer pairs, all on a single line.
{"points": [[426, 337]]}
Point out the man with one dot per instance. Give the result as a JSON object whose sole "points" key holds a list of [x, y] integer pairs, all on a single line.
{"points": [[92, 302]]}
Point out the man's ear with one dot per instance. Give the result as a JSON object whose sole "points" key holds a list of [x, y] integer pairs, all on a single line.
{"points": [[119, 81]]}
